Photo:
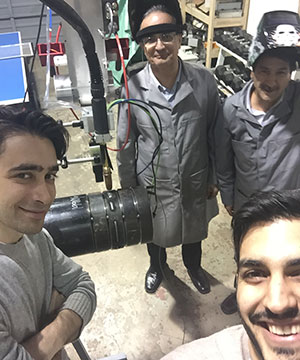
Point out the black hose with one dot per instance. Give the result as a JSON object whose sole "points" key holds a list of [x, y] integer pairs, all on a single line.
{"points": [[70, 15], [97, 88]]}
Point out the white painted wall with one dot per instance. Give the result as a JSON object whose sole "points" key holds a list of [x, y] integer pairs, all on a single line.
{"points": [[259, 7]]}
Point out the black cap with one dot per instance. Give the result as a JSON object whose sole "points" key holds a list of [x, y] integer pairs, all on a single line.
{"points": [[138, 8]]}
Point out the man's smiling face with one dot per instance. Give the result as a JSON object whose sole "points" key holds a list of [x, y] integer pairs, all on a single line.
{"points": [[161, 53], [271, 77], [268, 291], [28, 168]]}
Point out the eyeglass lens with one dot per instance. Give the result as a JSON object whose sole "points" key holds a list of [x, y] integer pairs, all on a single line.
{"points": [[164, 37]]}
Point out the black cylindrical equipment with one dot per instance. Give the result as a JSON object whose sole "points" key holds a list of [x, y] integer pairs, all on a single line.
{"points": [[82, 224]]}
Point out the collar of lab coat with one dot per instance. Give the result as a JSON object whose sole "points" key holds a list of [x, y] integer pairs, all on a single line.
{"points": [[277, 112], [152, 93]]}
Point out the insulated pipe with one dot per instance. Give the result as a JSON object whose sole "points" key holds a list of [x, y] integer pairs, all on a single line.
{"points": [[95, 222]]}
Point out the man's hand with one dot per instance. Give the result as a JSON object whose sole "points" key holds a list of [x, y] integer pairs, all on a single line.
{"points": [[38, 351], [212, 191], [48, 342], [56, 302], [36, 356], [229, 209]]}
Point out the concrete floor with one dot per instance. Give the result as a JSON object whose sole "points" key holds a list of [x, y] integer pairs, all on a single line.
{"points": [[127, 319]]}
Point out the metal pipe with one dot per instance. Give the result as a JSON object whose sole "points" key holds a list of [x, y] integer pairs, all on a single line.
{"points": [[80, 160], [83, 224]]}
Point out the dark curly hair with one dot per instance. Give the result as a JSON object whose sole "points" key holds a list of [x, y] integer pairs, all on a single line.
{"points": [[35, 123], [262, 208]]}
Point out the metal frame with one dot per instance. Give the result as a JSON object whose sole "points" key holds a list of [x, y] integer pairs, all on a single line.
{"points": [[82, 353], [213, 22]]}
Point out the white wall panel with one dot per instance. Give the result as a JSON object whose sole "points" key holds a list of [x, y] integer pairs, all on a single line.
{"points": [[24, 16]]}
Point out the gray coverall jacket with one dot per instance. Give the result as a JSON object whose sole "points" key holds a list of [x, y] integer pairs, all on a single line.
{"points": [[186, 161], [251, 157]]}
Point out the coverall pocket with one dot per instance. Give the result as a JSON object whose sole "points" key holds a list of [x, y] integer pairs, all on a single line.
{"points": [[286, 151], [194, 189], [243, 154], [164, 193], [193, 135]]}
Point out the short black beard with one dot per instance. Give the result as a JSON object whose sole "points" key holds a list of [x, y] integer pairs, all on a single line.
{"points": [[254, 318], [284, 351]]}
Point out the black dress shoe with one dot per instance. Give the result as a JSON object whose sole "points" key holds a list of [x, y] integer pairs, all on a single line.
{"points": [[200, 280], [229, 305], [152, 280]]}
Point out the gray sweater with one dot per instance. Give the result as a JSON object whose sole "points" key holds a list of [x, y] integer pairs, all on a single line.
{"points": [[228, 344], [30, 270]]}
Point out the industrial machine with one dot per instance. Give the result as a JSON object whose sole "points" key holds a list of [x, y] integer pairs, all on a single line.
{"points": [[115, 218]]}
